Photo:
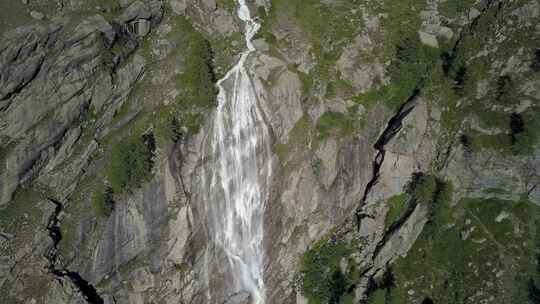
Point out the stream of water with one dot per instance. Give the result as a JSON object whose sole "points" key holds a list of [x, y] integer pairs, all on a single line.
{"points": [[237, 175]]}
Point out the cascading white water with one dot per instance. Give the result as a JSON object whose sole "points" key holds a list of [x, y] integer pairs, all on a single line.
{"points": [[237, 174]]}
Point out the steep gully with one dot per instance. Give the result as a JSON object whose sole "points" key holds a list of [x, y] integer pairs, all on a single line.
{"points": [[392, 129], [394, 125], [88, 291]]}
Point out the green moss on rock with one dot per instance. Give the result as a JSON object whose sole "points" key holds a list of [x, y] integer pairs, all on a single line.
{"points": [[335, 124]]}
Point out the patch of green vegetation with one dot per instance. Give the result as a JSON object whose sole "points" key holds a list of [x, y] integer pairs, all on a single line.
{"points": [[197, 95], [422, 187], [264, 31], [197, 78], [496, 256], [103, 201], [299, 138], [398, 204], [338, 87], [463, 69], [335, 124], [372, 97], [521, 134], [494, 191], [493, 119], [181, 267], [377, 297], [527, 137], [322, 278], [189, 69], [432, 191], [230, 5], [317, 166], [457, 8], [5, 150], [12, 15], [498, 142], [131, 162], [411, 67], [224, 51], [327, 26], [23, 207]]}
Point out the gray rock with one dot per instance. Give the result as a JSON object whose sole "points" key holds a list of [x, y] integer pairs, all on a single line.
{"points": [[261, 45], [178, 6], [281, 100], [428, 39], [21, 57], [37, 15], [354, 67], [473, 13], [142, 27], [327, 154], [136, 10], [400, 242], [149, 10]]}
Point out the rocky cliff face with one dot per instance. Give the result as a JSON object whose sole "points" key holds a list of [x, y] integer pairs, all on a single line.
{"points": [[404, 138]]}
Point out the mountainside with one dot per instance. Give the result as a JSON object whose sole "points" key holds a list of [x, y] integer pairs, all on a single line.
{"points": [[396, 147]]}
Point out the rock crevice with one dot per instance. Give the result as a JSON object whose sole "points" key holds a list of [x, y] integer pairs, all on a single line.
{"points": [[88, 291]]}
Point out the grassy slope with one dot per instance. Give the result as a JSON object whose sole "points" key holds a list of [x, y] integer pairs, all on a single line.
{"points": [[497, 259], [471, 256]]}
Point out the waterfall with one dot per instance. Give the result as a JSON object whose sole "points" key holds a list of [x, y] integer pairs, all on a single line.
{"points": [[236, 176]]}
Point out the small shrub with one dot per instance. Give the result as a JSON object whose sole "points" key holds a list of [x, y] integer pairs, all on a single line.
{"points": [[465, 141], [517, 126], [436, 193], [388, 279], [317, 166], [427, 300], [447, 61], [339, 287], [535, 65], [175, 129], [534, 293], [379, 291], [504, 91], [442, 198], [103, 201], [422, 187], [229, 5], [459, 79], [521, 137]]}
